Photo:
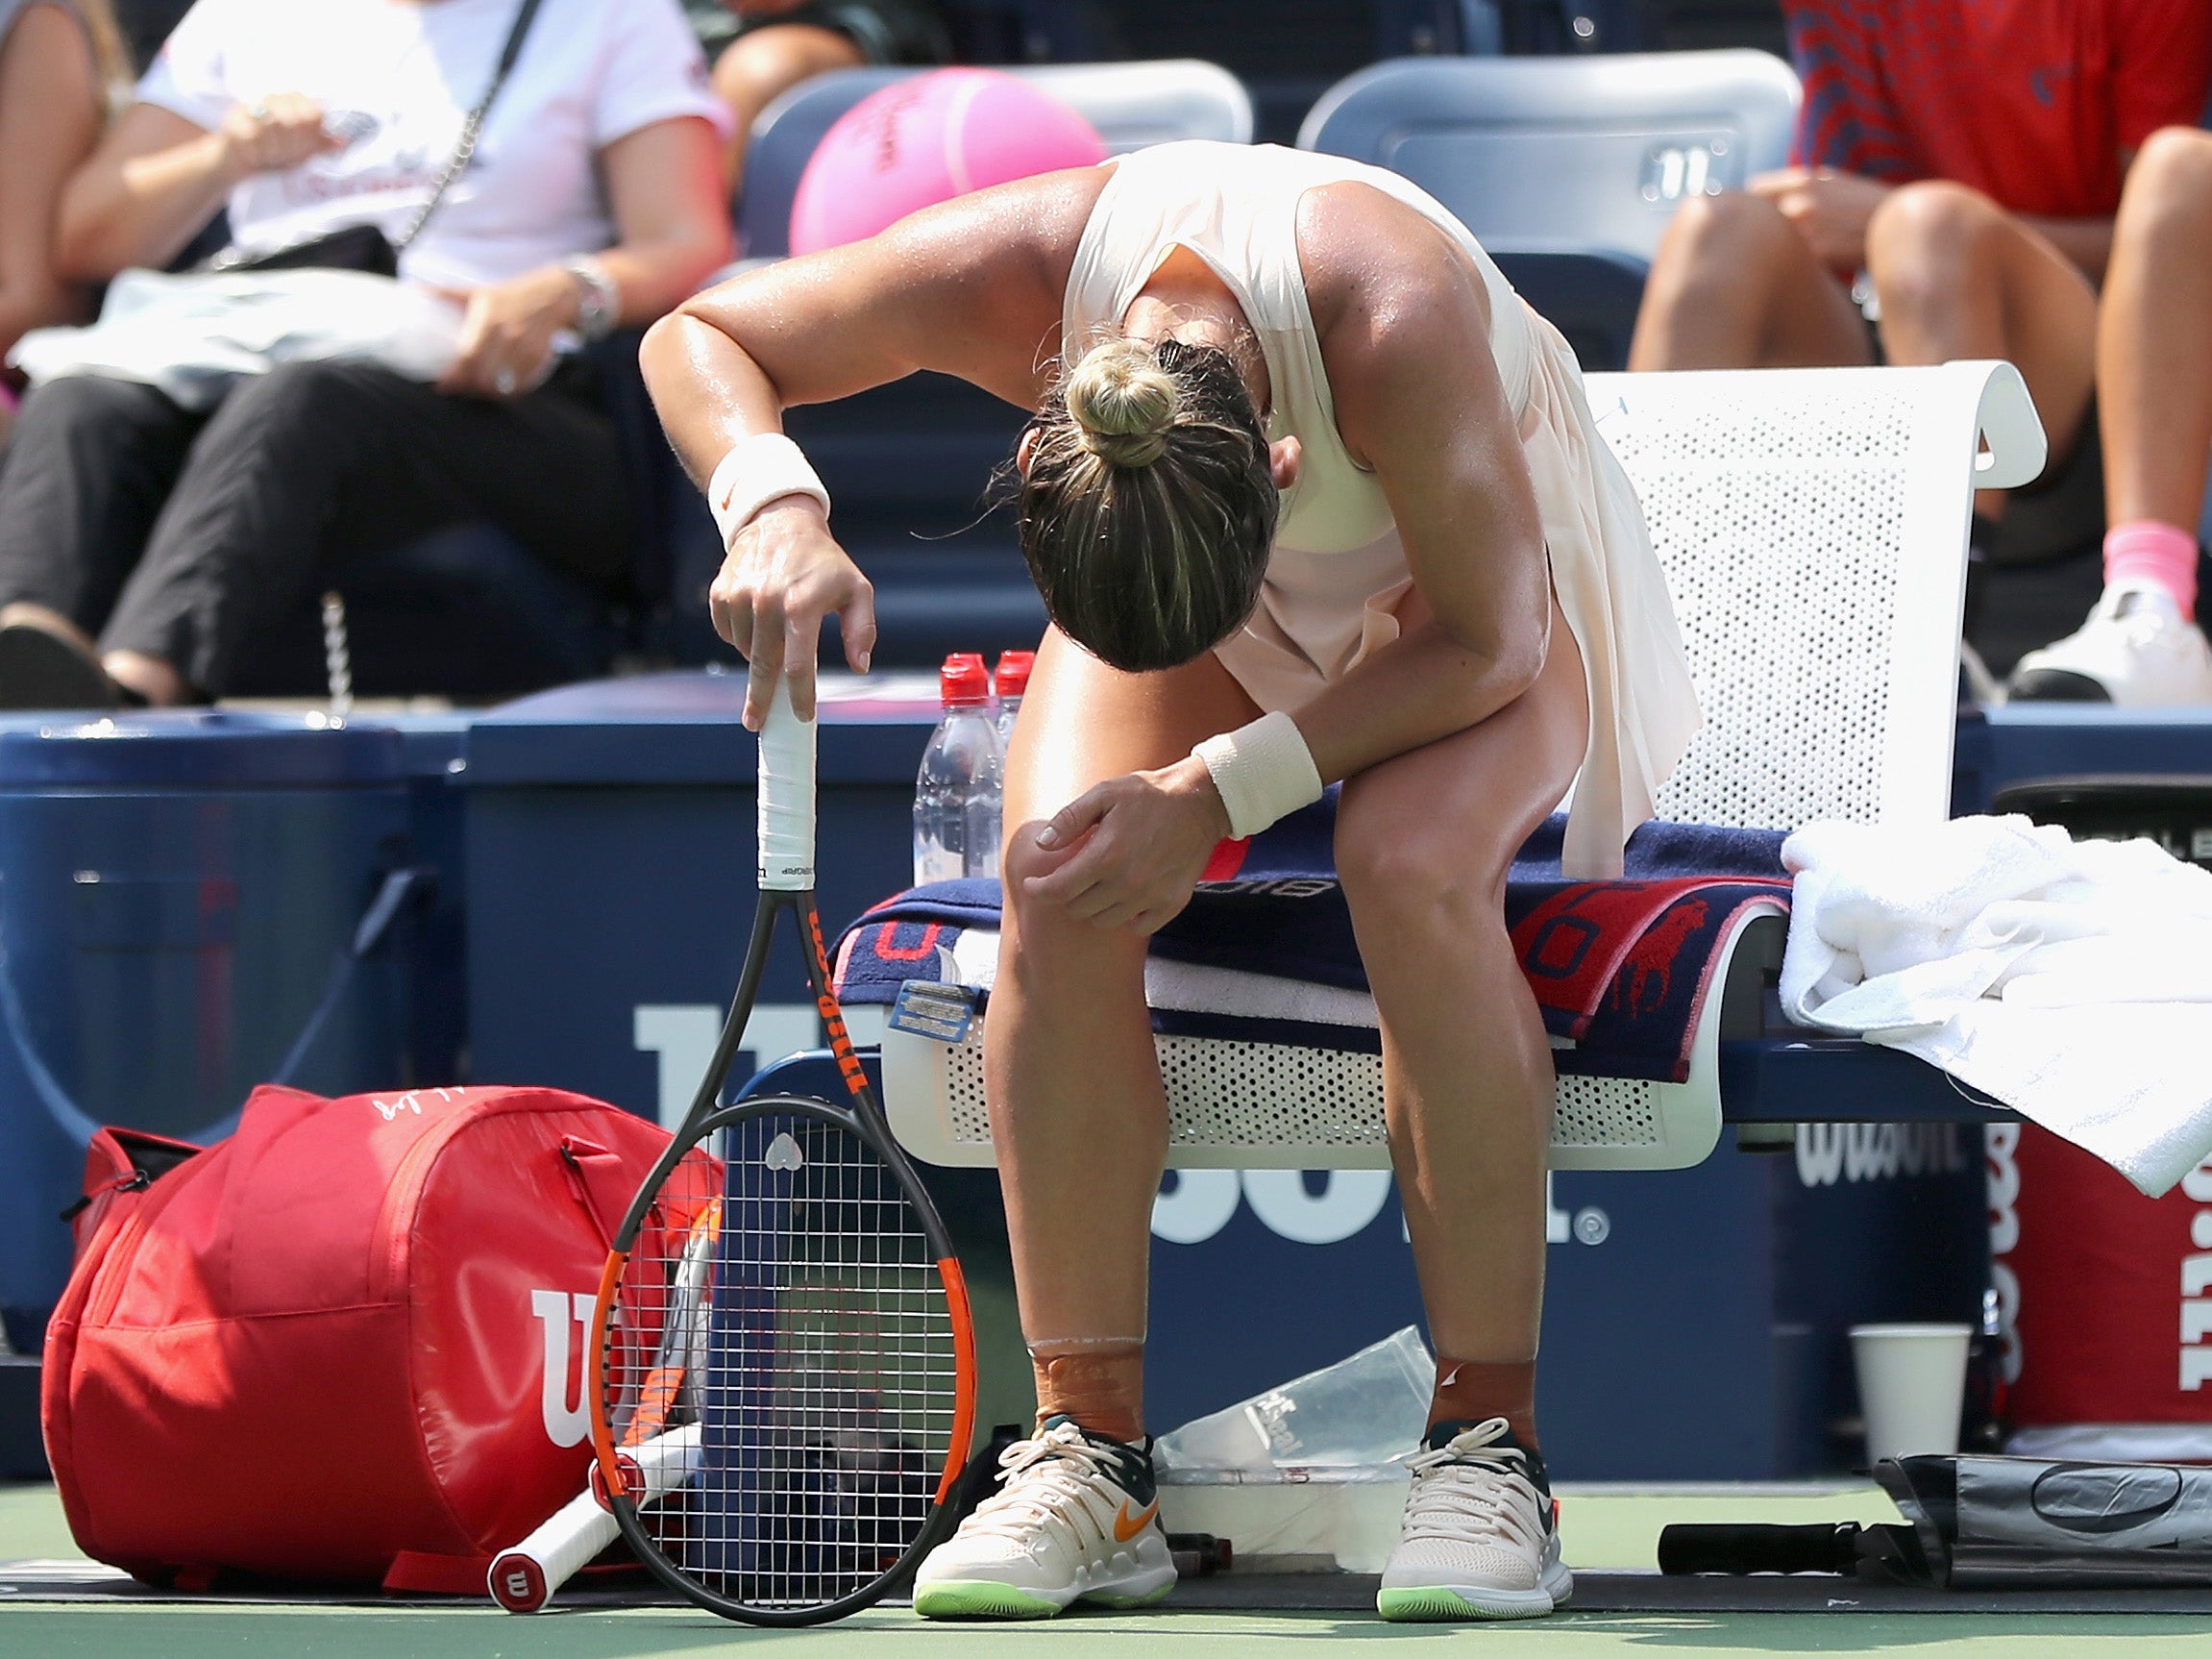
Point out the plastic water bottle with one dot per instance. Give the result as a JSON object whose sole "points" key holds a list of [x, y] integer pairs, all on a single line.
{"points": [[956, 796], [1010, 682]]}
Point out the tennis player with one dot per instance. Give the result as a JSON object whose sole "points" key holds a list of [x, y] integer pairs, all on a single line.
{"points": [[1311, 496]]}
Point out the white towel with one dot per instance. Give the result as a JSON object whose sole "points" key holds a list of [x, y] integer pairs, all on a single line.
{"points": [[2071, 980]]}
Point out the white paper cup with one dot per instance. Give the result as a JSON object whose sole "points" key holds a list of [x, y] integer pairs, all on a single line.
{"points": [[1912, 1386]]}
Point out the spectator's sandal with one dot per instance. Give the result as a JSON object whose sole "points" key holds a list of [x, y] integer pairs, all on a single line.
{"points": [[44, 664]]}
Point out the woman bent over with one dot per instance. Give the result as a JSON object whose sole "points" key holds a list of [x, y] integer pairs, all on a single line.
{"points": [[1310, 496]]}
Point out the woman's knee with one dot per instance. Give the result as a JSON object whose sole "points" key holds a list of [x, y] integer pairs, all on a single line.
{"points": [[762, 64], [84, 404], [1928, 241], [1732, 237], [310, 401], [1411, 883], [2169, 192]]}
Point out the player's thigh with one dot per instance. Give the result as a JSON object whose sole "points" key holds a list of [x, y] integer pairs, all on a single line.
{"points": [[1082, 723], [1430, 834]]}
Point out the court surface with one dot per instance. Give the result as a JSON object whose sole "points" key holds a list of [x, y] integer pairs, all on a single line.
{"points": [[1604, 1528]]}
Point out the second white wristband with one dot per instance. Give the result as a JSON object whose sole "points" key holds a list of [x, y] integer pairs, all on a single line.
{"points": [[1263, 771], [757, 470]]}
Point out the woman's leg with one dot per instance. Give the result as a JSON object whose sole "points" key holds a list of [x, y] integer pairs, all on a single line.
{"points": [[1960, 277], [1423, 843], [1734, 286], [316, 465], [86, 473], [1078, 1113], [2154, 336]]}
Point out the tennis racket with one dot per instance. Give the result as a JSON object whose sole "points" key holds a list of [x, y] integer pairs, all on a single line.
{"points": [[654, 1460], [832, 1386]]}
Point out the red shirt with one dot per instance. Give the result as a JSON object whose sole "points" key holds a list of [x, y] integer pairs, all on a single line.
{"points": [[2031, 102]]}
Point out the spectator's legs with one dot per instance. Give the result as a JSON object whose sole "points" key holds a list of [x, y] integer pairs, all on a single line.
{"points": [[2139, 646], [2154, 336], [1734, 286], [1960, 277], [82, 481], [762, 64], [319, 463]]}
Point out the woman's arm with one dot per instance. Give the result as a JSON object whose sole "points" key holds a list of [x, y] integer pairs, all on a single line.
{"points": [[1418, 399], [157, 178], [971, 288], [50, 106], [664, 187]]}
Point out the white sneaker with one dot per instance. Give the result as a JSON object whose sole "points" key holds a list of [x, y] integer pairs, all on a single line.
{"points": [[1077, 1518], [1481, 1539], [2135, 651]]}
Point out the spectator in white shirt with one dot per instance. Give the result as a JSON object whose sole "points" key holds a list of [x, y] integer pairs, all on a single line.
{"points": [[142, 546]]}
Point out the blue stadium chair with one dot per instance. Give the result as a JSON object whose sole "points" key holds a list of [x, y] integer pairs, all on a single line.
{"points": [[1567, 168], [1131, 105]]}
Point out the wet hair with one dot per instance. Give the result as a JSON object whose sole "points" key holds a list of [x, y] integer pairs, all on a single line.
{"points": [[1149, 506]]}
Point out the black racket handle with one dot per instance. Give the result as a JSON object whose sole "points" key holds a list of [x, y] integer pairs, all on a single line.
{"points": [[1829, 1547]]}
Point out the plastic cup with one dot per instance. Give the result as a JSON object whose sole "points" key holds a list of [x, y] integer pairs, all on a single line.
{"points": [[1912, 1386]]}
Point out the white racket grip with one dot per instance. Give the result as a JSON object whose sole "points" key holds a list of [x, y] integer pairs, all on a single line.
{"points": [[525, 1578], [786, 797]]}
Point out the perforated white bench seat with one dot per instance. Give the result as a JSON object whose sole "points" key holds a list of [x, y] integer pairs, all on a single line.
{"points": [[1812, 525]]}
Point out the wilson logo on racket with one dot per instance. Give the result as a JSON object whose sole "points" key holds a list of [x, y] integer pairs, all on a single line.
{"points": [[783, 1153]]}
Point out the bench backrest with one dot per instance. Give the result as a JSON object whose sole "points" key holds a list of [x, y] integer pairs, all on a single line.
{"points": [[1812, 524]]}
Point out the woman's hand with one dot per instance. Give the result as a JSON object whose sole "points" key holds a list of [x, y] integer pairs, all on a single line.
{"points": [[1136, 847], [507, 336], [274, 135], [784, 573], [1830, 210]]}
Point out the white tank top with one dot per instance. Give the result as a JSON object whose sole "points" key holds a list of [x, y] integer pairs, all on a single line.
{"points": [[1337, 571]]}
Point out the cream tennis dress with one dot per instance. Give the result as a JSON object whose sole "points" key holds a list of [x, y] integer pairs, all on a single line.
{"points": [[1336, 572]]}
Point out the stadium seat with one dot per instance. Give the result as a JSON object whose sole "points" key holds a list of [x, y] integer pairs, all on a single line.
{"points": [[1131, 105], [1812, 526], [1568, 169]]}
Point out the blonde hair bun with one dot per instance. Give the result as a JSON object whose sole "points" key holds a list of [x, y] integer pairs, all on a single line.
{"points": [[1123, 401]]}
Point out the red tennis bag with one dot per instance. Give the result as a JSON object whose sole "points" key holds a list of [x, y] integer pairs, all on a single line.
{"points": [[346, 1345]]}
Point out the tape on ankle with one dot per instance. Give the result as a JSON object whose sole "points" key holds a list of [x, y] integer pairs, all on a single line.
{"points": [[1263, 772], [2145, 550], [1475, 1390], [1098, 1381], [757, 470]]}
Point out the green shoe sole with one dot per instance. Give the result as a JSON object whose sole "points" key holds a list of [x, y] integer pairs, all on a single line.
{"points": [[1428, 1604], [1126, 1603], [977, 1600]]}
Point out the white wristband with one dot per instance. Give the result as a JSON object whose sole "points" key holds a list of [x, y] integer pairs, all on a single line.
{"points": [[1263, 771], [757, 471]]}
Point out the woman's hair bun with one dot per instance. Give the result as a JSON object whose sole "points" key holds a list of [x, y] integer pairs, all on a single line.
{"points": [[1122, 401]]}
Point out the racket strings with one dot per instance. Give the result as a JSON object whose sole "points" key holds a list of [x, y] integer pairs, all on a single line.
{"points": [[818, 1357]]}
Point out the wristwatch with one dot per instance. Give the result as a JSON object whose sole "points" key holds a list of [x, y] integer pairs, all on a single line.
{"points": [[598, 301]]}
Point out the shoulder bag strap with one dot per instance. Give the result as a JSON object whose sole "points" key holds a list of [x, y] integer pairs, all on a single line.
{"points": [[473, 128]]}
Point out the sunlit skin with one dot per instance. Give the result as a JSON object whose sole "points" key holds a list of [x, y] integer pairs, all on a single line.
{"points": [[2154, 336], [1454, 741], [51, 107], [1750, 280]]}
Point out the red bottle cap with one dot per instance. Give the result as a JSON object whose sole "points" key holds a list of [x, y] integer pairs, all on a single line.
{"points": [[963, 682], [1014, 668]]}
